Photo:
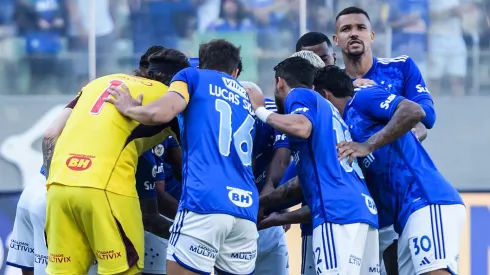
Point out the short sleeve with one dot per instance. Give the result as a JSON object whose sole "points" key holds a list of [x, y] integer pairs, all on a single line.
{"points": [[303, 102], [280, 140], [376, 102], [74, 101], [183, 83], [415, 87]]}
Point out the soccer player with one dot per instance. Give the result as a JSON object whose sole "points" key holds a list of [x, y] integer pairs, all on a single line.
{"points": [[169, 152], [428, 212], [344, 215], [400, 75], [318, 43], [26, 236], [215, 226], [92, 200], [149, 174], [272, 249]]}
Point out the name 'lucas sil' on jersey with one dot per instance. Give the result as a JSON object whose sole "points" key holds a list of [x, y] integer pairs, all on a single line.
{"points": [[231, 91]]}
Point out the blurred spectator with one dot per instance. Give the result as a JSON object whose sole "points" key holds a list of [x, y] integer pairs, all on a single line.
{"points": [[41, 23], [232, 17], [409, 22], [447, 49], [161, 22], [207, 13], [79, 15], [7, 31]]}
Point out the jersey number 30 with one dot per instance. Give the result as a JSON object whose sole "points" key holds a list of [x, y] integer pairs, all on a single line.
{"points": [[241, 138]]}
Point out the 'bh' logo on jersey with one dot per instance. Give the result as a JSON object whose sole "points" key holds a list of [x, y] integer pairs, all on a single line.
{"points": [[240, 197], [370, 204], [79, 162]]}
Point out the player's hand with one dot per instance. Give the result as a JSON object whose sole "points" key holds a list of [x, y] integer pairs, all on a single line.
{"points": [[268, 221], [260, 215], [122, 99], [363, 82], [256, 98], [352, 150]]}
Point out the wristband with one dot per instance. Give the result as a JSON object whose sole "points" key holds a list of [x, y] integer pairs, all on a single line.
{"points": [[262, 113]]}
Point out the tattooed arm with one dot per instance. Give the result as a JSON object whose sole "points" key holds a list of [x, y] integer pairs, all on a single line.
{"points": [[51, 136], [287, 192]]}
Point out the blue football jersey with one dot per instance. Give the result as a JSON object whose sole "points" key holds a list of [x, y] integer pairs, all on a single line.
{"points": [[217, 133], [401, 76], [148, 172], [334, 190], [172, 185], [401, 176], [266, 141]]}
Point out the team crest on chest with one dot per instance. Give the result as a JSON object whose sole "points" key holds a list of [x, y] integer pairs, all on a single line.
{"points": [[159, 150]]}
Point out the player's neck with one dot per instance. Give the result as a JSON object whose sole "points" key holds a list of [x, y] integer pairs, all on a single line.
{"points": [[340, 103], [358, 66]]}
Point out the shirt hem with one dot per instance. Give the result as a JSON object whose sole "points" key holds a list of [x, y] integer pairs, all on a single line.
{"points": [[218, 212]]}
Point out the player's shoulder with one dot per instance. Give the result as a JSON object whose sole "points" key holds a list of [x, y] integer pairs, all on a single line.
{"points": [[301, 94], [367, 92], [395, 62]]}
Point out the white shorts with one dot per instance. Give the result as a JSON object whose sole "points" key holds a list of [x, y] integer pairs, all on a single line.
{"points": [[21, 248], [447, 56], [29, 229], [307, 256], [155, 254], [348, 249], [199, 242], [431, 240], [272, 256]]}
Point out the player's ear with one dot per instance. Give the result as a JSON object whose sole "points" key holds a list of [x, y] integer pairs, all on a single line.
{"points": [[335, 39], [326, 94], [372, 36], [235, 73]]}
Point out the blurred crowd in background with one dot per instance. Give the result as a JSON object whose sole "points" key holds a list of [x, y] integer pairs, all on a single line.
{"points": [[44, 43]]}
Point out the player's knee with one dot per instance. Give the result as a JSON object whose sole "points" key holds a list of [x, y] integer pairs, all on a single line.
{"points": [[438, 272]]}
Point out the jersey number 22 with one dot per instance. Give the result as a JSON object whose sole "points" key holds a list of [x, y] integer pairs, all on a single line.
{"points": [[242, 136]]}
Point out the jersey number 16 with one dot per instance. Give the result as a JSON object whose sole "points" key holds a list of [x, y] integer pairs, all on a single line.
{"points": [[241, 138]]}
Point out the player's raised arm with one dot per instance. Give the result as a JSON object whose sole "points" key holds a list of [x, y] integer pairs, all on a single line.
{"points": [[401, 114], [294, 72]]}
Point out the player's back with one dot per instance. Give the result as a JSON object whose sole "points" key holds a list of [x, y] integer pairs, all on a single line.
{"points": [[216, 140], [99, 147], [398, 173], [334, 191]]}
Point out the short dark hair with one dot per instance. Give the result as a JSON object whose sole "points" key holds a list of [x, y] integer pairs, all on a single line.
{"points": [[335, 80], [312, 39], [165, 64], [220, 55], [352, 10], [296, 71], [240, 68]]}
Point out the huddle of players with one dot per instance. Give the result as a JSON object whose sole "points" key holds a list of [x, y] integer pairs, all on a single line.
{"points": [[215, 222]]}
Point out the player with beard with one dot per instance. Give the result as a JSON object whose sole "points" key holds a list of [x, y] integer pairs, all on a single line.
{"points": [[400, 75], [429, 213]]}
